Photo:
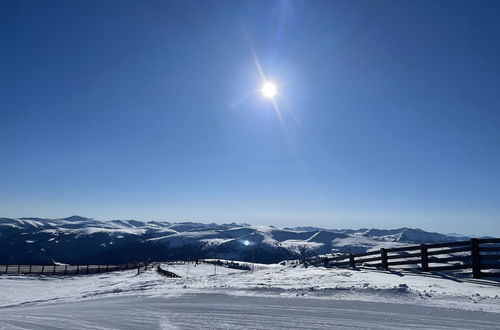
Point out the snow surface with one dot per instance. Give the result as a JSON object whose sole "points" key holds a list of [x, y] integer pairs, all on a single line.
{"points": [[276, 279], [325, 297], [219, 311]]}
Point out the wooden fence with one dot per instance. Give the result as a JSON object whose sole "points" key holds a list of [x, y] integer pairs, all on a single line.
{"points": [[478, 257], [166, 273], [226, 263], [65, 269]]}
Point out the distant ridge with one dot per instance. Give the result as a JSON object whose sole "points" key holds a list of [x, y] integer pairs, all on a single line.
{"points": [[78, 239]]}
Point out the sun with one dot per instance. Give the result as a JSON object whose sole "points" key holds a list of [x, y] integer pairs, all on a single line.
{"points": [[269, 89]]}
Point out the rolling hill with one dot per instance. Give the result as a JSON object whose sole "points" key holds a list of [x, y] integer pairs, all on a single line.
{"points": [[80, 240]]}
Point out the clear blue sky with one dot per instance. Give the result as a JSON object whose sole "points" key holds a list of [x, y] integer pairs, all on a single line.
{"points": [[151, 110]]}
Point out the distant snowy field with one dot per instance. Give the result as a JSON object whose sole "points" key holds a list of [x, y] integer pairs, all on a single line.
{"points": [[270, 296]]}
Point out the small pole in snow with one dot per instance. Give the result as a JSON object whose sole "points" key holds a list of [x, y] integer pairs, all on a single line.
{"points": [[253, 257]]}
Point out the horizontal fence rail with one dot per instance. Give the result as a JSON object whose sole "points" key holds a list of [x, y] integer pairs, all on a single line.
{"points": [[480, 257], [226, 263], [166, 273], [65, 269]]}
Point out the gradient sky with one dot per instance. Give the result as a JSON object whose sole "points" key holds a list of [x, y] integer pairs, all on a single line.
{"points": [[151, 110]]}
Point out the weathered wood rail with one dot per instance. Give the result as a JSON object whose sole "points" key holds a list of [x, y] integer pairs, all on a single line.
{"points": [[65, 269], [226, 263], [480, 256], [166, 273]]}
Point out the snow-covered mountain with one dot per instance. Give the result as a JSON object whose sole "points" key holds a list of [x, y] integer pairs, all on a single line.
{"points": [[82, 240]]}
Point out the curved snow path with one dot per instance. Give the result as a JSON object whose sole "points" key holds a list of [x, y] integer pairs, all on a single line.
{"points": [[220, 311]]}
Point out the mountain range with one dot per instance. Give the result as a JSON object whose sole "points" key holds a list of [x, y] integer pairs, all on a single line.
{"points": [[80, 240]]}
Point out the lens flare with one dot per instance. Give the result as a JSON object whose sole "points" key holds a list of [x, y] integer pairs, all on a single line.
{"points": [[269, 89]]}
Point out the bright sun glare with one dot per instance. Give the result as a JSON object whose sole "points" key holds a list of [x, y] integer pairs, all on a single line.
{"points": [[269, 89]]}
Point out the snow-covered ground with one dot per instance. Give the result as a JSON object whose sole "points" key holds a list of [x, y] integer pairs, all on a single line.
{"points": [[219, 311], [329, 296]]}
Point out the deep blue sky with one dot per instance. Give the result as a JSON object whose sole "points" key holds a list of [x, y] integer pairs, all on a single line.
{"points": [[151, 110]]}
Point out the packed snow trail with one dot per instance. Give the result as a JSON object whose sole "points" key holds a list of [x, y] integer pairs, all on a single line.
{"points": [[220, 311]]}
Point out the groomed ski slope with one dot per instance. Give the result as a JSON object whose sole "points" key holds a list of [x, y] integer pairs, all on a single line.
{"points": [[272, 296]]}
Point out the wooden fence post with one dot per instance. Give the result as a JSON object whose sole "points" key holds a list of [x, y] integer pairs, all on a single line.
{"points": [[107, 267], [424, 258], [65, 269], [43, 268], [476, 262], [352, 262], [6, 269], [29, 272], [18, 269], [383, 256], [87, 269]]}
